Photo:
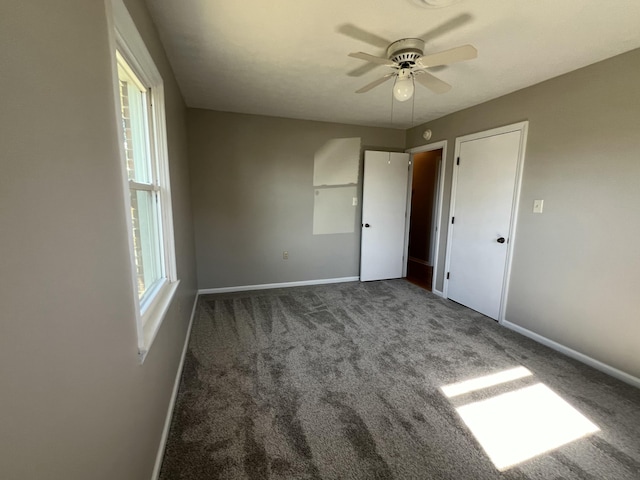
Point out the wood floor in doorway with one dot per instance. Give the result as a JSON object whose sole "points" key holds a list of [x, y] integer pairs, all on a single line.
{"points": [[420, 274]]}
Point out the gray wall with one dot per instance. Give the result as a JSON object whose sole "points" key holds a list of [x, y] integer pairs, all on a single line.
{"points": [[576, 267], [75, 402], [252, 196]]}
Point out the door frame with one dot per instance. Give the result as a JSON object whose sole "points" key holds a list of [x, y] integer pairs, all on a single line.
{"points": [[523, 128], [442, 145]]}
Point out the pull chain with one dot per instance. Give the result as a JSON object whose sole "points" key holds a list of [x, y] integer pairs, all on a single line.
{"points": [[391, 107], [413, 100]]}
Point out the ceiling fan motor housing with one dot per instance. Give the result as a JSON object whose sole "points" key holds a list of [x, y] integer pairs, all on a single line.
{"points": [[405, 51]]}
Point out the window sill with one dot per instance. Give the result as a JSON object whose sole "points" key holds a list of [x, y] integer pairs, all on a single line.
{"points": [[153, 317]]}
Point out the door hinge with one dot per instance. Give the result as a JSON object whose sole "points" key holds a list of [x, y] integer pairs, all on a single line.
{"points": [[453, 220], [458, 161], [448, 275]]}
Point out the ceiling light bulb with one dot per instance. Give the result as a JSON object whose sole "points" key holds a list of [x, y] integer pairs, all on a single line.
{"points": [[403, 88]]}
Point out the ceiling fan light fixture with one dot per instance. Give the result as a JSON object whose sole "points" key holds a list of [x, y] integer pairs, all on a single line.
{"points": [[403, 87]]}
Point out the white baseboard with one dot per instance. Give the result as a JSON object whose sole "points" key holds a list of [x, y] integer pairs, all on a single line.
{"points": [[581, 357], [174, 396], [266, 286], [437, 292]]}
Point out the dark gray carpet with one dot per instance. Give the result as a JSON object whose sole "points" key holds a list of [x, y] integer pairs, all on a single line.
{"points": [[343, 382]]}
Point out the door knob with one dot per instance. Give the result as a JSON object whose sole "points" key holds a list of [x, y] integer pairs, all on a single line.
{"points": [[366, 225], [500, 240]]}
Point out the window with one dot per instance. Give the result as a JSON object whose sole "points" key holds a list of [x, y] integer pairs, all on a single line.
{"points": [[144, 162], [144, 189]]}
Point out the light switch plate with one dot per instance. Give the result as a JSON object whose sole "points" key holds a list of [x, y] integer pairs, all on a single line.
{"points": [[354, 203], [537, 206]]}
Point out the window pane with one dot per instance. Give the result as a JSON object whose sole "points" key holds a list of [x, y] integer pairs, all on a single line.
{"points": [[135, 121], [146, 239]]}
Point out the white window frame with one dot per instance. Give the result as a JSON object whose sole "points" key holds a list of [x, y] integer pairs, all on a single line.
{"points": [[127, 42]]}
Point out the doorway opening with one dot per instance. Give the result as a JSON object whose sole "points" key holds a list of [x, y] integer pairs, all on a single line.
{"points": [[421, 250]]}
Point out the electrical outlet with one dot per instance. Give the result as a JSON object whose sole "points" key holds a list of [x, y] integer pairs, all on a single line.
{"points": [[285, 255]]}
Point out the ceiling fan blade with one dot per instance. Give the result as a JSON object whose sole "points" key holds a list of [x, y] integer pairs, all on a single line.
{"points": [[366, 68], [352, 31], [432, 83], [455, 22], [374, 84], [372, 58], [458, 54]]}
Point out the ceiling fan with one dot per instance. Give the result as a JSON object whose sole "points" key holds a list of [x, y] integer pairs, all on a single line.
{"points": [[408, 62]]}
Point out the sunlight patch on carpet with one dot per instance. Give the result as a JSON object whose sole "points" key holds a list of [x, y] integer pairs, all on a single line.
{"points": [[524, 423], [486, 381]]}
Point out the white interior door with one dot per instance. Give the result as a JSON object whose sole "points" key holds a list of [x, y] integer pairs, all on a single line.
{"points": [[482, 205], [384, 200]]}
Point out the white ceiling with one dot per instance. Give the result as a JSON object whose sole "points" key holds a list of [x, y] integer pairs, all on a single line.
{"points": [[288, 58]]}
